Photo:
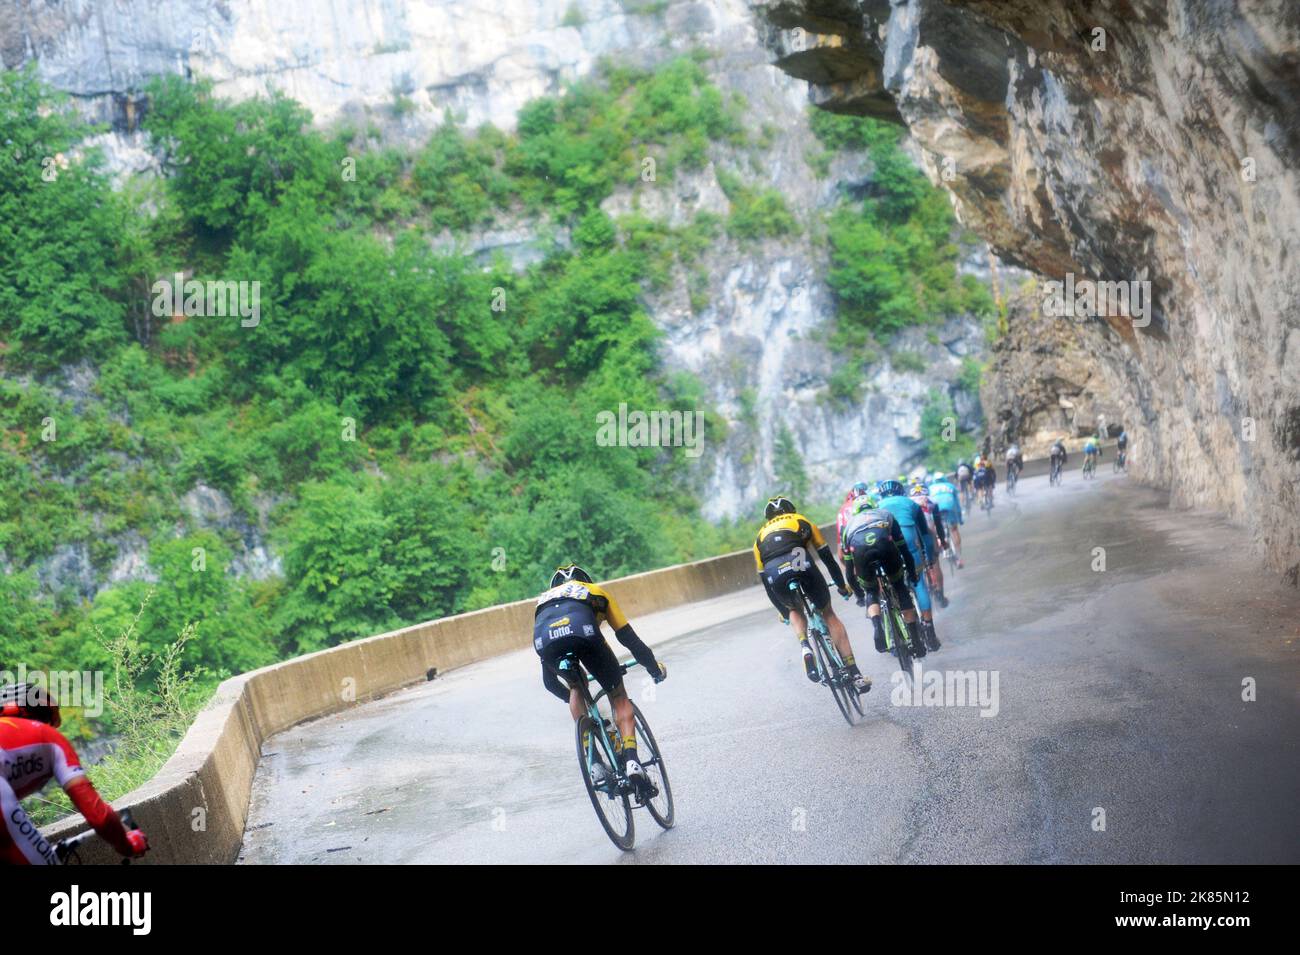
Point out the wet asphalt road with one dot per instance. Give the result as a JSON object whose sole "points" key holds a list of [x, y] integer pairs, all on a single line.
{"points": [[1119, 692]]}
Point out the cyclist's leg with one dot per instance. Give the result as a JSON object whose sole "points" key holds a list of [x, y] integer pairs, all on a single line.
{"points": [[600, 661], [551, 654], [819, 595], [922, 591], [953, 527], [864, 568]]}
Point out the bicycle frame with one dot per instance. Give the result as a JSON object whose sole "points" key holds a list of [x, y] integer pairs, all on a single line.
{"points": [[567, 667], [817, 622], [887, 607]]}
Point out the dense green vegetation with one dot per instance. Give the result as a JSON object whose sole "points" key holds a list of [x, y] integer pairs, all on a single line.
{"points": [[893, 265], [412, 430], [893, 255]]}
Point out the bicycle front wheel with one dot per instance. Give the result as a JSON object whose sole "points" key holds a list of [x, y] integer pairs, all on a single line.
{"points": [[612, 805], [652, 761]]}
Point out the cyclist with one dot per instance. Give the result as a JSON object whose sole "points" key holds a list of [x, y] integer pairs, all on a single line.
{"points": [[1058, 457], [946, 499], [965, 478], [567, 621], [920, 493], [858, 490], [781, 556], [985, 478], [873, 537], [32, 752], [1121, 447], [1014, 460], [1091, 452], [893, 498]]}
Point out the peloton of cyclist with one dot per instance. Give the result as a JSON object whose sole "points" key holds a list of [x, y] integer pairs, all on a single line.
{"points": [[872, 537], [781, 556], [567, 621], [32, 752]]}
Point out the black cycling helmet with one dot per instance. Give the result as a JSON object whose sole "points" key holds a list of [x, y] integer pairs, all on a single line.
{"points": [[891, 489], [29, 701], [778, 505], [569, 572]]}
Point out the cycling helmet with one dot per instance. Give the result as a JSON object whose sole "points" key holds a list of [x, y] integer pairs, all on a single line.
{"points": [[891, 489], [29, 701], [919, 490], [778, 505], [867, 502], [569, 572], [859, 489]]}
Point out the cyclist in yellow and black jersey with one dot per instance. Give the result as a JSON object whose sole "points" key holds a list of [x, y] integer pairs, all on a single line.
{"points": [[781, 555], [567, 622]]}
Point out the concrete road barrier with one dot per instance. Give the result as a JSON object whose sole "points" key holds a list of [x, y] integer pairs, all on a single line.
{"points": [[195, 807]]}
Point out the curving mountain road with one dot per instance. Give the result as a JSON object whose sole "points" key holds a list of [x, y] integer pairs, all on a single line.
{"points": [[1118, 690]]}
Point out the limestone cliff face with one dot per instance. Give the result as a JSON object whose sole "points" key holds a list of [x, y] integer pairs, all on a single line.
{"points": [[1128, 140], [752, 336]]}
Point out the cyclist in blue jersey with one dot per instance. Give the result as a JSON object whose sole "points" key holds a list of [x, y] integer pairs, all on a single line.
{"points": [[944, 494], [921, 544]]}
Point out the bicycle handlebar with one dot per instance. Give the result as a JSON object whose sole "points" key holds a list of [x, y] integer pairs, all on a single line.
{"points": [[65, 848]]}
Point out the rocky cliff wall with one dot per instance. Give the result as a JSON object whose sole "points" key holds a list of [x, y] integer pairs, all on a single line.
{"points": [[1129, 141]]}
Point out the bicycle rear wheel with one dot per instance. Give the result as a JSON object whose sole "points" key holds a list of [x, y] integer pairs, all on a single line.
{"points": [[613, 807], [896, 635], [652, 761], [826, 659]]}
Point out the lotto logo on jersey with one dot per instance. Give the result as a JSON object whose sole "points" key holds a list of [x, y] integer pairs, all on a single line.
{"points": [[560, 628]]}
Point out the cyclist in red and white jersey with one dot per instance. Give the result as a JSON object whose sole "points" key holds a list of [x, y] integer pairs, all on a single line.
{"points": [[846, 511], [32, 752]]}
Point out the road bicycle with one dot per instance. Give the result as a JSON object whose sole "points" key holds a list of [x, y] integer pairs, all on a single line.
{"points": [[894, 626], [1089, 466], [1013, 475], [1121, 461], [613, 794], [830, 666], [1055, 477], [67, 850]]}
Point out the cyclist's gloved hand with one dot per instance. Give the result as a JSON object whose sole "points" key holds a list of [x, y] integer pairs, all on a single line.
{"points": [[844, 592], [663, 672], [862, 600], [786, 621], [139, 844]]}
